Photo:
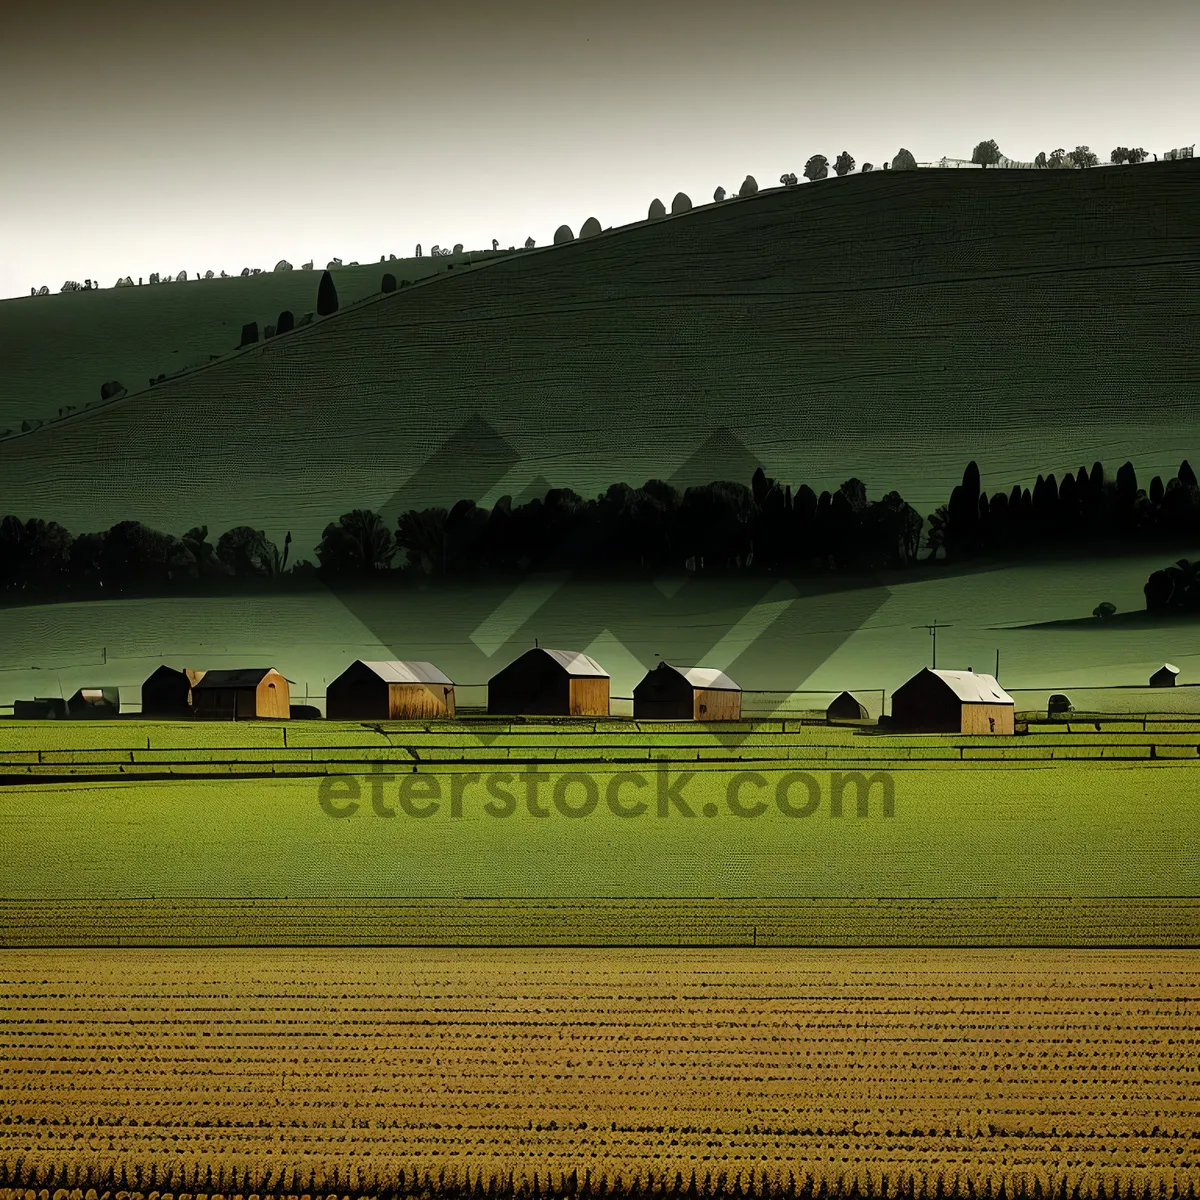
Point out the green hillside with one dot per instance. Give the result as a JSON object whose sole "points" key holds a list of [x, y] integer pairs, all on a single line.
{"points": [[58, 349], [890, 325]]}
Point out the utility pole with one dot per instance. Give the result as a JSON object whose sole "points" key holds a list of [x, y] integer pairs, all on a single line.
{"points": [[933, 634], [997, 675]]}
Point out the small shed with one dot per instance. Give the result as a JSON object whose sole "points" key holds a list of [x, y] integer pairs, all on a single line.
{"points": [[550, 683], [1059, 705], [389, 691], [935, 701], [44, 708], [1164, 676], [846, 707], [670, 693], [242, 693], [168, 692], [94, 702]]}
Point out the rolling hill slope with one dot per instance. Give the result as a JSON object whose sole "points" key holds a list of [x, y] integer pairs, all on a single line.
{"points": [[890, 325], [58, 349]]}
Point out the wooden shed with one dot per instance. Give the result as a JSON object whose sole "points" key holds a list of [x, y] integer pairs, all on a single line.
{"points": [[168, 692], [389, 691], [934, 701], [846, 707], [242, 693], [1164, 676], [550, 683], [94, 702], [670, 693]]}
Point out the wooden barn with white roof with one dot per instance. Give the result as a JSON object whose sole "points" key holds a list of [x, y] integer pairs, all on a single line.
{"points": [[550, 683], [670, 693], [389, 691], [935, 701]]}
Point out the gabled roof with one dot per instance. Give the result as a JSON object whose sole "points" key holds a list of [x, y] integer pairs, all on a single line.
{"points": [[704, 677], [240, 677], [192, 675], [574, 663], [971, 688], [1167, 667], [395, 671]]}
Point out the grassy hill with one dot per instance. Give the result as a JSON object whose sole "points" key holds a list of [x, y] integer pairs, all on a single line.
{"points": [[890, 325], [58, 349]]}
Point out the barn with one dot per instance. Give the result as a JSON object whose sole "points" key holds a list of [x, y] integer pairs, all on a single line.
{"points": [[94, 702], [242, 693], [934, 701], [168, 692], [1164, 676], [670, 693], [389, 691], [846, 707], [550, 683]]}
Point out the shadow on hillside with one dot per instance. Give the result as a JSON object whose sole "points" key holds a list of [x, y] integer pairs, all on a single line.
{"points": [[1137, 619]]}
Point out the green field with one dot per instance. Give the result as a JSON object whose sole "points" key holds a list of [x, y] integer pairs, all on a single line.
{"points": [[527, 812]]}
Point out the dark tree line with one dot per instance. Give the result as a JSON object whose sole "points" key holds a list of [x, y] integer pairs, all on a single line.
{"points": [[716, 528], [1086, 508]]}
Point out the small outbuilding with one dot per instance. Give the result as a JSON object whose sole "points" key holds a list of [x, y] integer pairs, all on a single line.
{"points": [[1059, 705], [935, 701], [1165, 676], [550, 683], [389, 691], [846, 707], [44, 708], [94, 702], [670, 693], [243, 693], [168, 692]]}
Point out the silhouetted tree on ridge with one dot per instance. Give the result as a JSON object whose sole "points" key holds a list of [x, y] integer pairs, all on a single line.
{"points": [[986, 154], [327, 297]]}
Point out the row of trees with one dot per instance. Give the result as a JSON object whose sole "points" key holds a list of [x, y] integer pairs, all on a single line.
{"points": [[987, 154], [717, 527], [1087, 508]]}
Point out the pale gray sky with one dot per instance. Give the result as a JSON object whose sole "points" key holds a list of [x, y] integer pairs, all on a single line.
{"points": [[149, 140]]}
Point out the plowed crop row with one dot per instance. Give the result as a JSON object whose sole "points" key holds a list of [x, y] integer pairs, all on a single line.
{"points": [[345, 1067]]}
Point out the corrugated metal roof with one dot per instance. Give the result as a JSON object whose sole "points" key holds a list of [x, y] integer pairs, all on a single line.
{"points": [[706, 677], [972, 688], [241, 677], [395, 671], [576, 663]]}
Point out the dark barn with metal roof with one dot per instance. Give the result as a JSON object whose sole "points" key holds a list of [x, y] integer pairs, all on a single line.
{"points": [[550, 683], [670, 693], [935, 701], [389, 691]]}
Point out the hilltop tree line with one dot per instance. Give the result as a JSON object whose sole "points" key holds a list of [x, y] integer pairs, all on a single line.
{"points": [[719, 527], [985, 154]]}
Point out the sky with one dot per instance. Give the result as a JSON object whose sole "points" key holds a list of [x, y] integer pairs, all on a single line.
{"points": [[140, 136]]}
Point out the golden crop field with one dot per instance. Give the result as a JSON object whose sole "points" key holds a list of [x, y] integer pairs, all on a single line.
{"points": [[273, 1071]]}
